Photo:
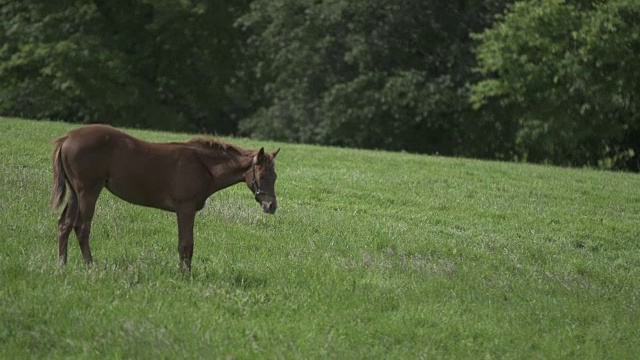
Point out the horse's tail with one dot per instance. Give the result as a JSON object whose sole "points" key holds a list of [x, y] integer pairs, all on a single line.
{"points": [[59, 177]]}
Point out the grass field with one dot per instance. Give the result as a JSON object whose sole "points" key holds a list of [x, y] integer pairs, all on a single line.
{"points": [[370, 255]]}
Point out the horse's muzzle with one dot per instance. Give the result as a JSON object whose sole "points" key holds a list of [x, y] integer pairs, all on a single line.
{"points": [[269, 206]]}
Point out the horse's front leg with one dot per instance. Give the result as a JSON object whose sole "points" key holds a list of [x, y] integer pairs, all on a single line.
{"points": [[186, 216]]}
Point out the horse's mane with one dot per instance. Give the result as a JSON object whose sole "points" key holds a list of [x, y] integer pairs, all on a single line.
{"points": [[211, 143]]}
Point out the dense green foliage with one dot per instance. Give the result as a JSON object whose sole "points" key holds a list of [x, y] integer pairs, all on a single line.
{"points": [[386, 255], [159, 63], [568, 73], [364, 73], [549, 81]]}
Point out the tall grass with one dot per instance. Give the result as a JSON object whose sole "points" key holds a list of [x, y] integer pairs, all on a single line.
{"points": [[370, 255]]}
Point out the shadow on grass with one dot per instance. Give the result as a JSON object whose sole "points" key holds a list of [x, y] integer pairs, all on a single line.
{"points": [[229, 276]]}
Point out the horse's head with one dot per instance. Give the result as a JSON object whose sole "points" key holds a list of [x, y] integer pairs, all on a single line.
{"points": [[261, 179]]}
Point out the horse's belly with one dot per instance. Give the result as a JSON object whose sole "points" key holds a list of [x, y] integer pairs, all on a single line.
{"points": [[139, 194]]}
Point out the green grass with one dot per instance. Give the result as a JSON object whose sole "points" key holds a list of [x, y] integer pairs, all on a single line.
{"points": [[370, 255]]}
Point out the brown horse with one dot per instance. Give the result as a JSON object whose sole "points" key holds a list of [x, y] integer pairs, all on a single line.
{"points": [[177, 177]]}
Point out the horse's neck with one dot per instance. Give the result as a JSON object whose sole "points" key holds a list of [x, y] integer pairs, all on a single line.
{"points": [[227, 171]]}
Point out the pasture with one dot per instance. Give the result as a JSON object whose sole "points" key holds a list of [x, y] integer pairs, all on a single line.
{"points": [[370, 255]]}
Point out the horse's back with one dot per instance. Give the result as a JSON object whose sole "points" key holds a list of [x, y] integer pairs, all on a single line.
{"points": [[97, 136]]}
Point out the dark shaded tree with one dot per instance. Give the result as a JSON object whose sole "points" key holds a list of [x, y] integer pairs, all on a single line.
{"points": [[372, 74], [148, 63]]}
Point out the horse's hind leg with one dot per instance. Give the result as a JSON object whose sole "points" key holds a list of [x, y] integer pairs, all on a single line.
{"points": [[65, 225], [86, 204]]}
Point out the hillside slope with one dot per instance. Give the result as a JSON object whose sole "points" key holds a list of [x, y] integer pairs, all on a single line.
{"points": [[371, 254]]}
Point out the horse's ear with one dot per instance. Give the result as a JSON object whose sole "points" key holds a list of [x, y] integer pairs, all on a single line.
{"points": [[259, 157], [275, 153]]}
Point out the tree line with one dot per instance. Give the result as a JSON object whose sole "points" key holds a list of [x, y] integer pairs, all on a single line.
{"points": [[545, 81]]}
